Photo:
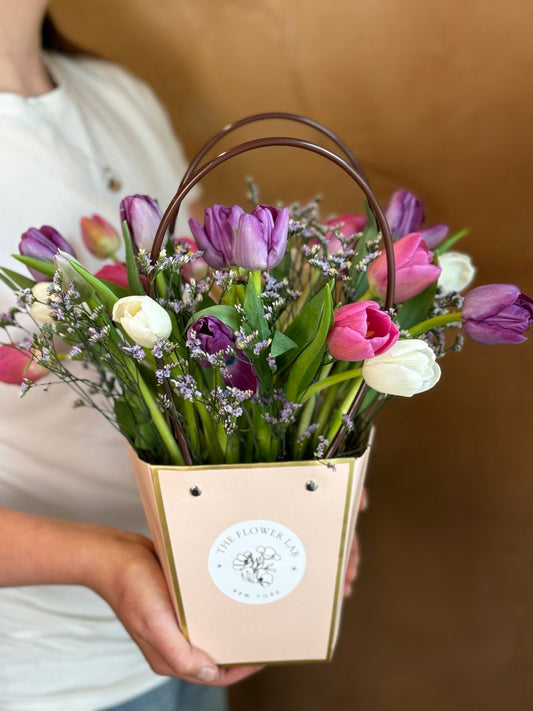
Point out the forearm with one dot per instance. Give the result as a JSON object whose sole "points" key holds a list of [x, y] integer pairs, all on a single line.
{"points": [[40, 550]]}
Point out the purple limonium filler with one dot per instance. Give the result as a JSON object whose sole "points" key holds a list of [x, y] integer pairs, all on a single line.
{"points": [[261, 238], [213, 336], [142, 215], [405, 214], [497, 313], [43, 244], [217, 235]]}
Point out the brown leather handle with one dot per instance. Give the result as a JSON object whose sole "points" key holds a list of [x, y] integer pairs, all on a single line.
{"points": [[194, 176]]}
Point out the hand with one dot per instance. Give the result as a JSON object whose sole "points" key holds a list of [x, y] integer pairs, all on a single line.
{"points": [[354, 555], [132, 582]]}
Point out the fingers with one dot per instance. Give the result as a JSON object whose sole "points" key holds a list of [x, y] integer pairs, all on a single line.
{"points": [[363, 504]]}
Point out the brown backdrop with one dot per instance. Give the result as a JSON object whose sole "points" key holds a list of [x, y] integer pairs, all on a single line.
{"points": [[435, 97]]}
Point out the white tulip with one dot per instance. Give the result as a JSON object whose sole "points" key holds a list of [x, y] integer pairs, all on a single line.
{"points": [[143, 319], [407, 368], [39, 310], [457, 273]]}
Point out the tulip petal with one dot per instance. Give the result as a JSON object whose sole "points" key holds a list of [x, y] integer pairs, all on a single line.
{"points": [[487, 300]]}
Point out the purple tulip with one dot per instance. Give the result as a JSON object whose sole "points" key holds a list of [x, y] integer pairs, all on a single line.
{"points": [[497, 313], [405, 214], [261, 238], [217, 236], [43, 244], [143, 216], [212, 336]]}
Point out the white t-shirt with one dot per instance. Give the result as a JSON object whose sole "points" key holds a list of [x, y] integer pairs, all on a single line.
{"points": [[61, 647]]}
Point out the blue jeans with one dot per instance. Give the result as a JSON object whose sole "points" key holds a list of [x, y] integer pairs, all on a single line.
{"points": [[177, 695]]}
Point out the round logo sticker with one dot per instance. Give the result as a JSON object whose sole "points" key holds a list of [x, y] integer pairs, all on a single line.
{"points": [[257, 562]]}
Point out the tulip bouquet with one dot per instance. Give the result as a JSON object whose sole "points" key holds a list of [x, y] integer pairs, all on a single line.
{"points": [[249, 339]]}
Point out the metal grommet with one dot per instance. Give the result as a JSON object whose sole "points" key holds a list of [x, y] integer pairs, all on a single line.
{"points": [[195, 491], [311, 485]]}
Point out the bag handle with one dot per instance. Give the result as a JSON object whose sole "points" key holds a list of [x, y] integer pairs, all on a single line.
{"points": [[186, 186], [266, 116]]}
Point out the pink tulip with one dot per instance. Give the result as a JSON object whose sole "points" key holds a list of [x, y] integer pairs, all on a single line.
{"points": [[16, 365], [118, 274], [100, 238], [197, 268], [361, 330], [414, 270], [349, 225]]}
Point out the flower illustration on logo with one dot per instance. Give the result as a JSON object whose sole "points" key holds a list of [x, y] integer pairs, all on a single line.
{"points": [[257, 567]]}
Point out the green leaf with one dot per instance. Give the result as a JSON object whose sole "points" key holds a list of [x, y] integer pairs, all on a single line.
{"points": [[119, 291], [449, 243], [281, 343], [303, 328], [104, 293], [416, 309], [227, 314], [306, 365], [46, 268], [134, 280], [14, 280]]}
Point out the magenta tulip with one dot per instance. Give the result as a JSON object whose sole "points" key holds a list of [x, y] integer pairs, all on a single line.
{"points": [[361, 330], [349, 225], [117, 273], [497, 313], [195, 269], [16, 365], [414, 270]]}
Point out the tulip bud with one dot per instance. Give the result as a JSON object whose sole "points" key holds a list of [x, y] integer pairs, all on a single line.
{"points": [[42, 244], [63, 264], [18, 365], [40, 310], [404, 213], [413, 268], [143, 216], [361, 330], [216, 237], [497, 313], [143, 319], [457, 271], [407, 368], [100, 238], [212, 336], [261, 238]]}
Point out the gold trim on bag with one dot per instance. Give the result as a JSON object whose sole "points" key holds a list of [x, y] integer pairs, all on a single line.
{"points": [[168, 549], [342, 547]]}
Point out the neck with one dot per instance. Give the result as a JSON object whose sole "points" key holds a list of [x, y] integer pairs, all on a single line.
{"points": [[22, 70]]}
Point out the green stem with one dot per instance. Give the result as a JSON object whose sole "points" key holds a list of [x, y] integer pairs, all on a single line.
{"points": [[332, 380], [435, 322], [256, 276], [157, 417], [343, 409]]}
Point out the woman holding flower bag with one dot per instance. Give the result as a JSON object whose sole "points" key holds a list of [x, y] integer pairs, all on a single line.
{"points": [[80, 580]]}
